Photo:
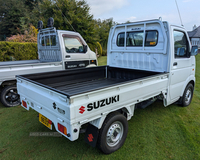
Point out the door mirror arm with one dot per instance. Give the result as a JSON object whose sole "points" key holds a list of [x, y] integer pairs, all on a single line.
{"points": [[194, 50], [85, 48], [188, 54]]}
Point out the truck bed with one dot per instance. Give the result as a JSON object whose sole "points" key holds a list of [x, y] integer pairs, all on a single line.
{"points": [[79, 81], [8, 70], [18, 62]]}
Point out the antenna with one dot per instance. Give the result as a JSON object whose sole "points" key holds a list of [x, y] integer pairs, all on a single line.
{"points": [[179, 13], [64, 16]]}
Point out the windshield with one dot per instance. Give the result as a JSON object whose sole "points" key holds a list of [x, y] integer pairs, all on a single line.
{"points": [[73, 45]]}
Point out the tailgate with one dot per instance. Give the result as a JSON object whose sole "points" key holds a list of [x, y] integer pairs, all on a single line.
{"points": [[52, 105]]}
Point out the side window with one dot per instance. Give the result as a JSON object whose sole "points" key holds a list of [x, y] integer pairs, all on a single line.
{"points": [[180, 44], [120, 39], [151, 38], [73, 45], [134, 39]]}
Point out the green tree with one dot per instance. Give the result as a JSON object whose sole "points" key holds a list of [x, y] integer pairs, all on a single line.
{"points": [[31, 17], [11, 12], [31, 4], [16, 16], [103, 28], [69, 15]]}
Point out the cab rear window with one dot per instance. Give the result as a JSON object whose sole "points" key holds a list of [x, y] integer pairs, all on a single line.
{"points": [[120, 39], [48, 40], [135, 39]]}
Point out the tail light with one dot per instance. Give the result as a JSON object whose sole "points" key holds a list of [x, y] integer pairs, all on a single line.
{"points": [[24, 104], [50, 122], [62, 128]]}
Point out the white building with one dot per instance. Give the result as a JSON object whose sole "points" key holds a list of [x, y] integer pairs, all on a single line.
{"points": [[195, 36]]}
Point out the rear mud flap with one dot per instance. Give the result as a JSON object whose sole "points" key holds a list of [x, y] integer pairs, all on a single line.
{"points": [[91, 135]]}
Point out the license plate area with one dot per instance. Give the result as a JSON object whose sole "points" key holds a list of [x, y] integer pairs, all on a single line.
{"points": [[44, 120]]}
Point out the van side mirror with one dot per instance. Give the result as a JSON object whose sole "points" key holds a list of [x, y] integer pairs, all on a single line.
{"points": [[194, 50], [85, 48]]}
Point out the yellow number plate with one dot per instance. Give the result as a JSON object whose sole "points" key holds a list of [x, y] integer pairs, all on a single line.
{"points": [[45, 121]]}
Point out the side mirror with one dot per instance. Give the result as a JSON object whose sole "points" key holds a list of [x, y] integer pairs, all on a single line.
{"points": [[194, 50], [85, 48]]}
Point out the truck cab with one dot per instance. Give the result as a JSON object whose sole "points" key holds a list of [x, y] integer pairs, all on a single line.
{"points": [[182, 66], [67, 47], [155, 45]]}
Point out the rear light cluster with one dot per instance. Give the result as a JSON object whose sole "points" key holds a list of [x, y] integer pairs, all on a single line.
{"points": [[24, 104], [50, 122], [62, 128]]}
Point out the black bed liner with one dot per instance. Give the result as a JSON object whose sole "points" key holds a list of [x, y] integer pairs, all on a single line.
{"points": [[77, 81]]}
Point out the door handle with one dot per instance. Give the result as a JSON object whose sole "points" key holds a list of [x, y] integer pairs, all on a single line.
{"points": [[67, 56], [175, 64]]}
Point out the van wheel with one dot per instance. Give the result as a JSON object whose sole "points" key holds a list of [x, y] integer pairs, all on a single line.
{"points": [[113, 133], [187, 95], [9, 96]]}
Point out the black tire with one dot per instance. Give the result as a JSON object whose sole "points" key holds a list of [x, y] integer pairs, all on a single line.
{"points": [[187, 95], [109, 142], [9, 96]]}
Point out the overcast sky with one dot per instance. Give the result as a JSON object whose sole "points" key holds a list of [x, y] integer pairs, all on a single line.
{"points": [[137, 10]]}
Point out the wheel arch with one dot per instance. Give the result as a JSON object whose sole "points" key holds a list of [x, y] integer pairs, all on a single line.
{"points": [[189, 80], [8, 83], [127, 111]]}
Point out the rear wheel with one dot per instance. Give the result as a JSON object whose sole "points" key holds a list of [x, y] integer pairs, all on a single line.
{"points": [[187, 95], [9, 96], [113, 133]]}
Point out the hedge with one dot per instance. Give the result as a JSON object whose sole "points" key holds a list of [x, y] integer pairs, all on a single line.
{"points": [[17, 51], [28, 51]]}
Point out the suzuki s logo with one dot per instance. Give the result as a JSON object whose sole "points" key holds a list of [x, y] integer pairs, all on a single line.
{"points": [[82, 110], [54, 105], [90, 137]]}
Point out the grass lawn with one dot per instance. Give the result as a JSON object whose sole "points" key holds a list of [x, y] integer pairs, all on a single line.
{"points": [[154, 133], [102, 61]]}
